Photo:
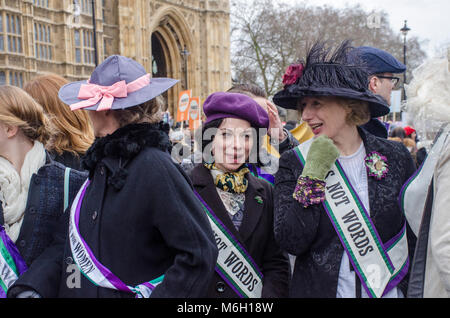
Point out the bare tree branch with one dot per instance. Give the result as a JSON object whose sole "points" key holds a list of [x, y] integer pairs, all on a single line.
{"points": [[267, 37]]}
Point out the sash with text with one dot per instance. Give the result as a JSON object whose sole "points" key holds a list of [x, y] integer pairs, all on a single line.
{"points": [[379, 266], [234, 264], [91, 268]]}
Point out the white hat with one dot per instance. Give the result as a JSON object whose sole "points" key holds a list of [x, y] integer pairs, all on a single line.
{"points": [[428, 103]]}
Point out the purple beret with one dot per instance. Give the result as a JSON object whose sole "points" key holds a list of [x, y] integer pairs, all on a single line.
{"points": [[233, 105]]}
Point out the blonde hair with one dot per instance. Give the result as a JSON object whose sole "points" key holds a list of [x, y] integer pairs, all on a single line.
{"points": [[408, 142], [75, 133], [358, 114], [19, 109], [359, 111], [148, 112]]}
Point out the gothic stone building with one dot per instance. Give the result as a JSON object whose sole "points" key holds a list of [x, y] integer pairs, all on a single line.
{"points": [[184, 39]]}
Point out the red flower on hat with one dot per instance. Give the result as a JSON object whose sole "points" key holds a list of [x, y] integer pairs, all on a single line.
{"points": [[293, 72]]}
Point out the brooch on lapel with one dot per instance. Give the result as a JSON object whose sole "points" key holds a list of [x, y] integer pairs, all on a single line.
{"points": [[376, 165], [259, 199]]}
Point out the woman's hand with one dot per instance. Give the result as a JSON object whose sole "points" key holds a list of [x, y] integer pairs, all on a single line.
{"points": [[275, 126], [321, 157], [29, 294], [310, 187]]}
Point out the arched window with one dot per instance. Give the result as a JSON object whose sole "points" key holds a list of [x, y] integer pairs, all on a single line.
{"points": [[41, 3], [77, 46], [2, 78], [43, 44], [2, 43], [88, 46], [13, 33]]}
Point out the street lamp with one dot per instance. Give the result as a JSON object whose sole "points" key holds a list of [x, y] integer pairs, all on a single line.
{"points": [[95, 32], [185, 53], [404, 31]]}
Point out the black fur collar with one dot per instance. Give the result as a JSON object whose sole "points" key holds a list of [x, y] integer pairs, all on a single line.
{"points": [[125, 143]]}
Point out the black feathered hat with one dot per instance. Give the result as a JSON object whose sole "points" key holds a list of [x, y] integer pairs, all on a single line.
{"points": [[329, 74]]}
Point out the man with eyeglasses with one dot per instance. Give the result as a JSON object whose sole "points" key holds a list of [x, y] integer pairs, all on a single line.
{"points": [[381, 66]]}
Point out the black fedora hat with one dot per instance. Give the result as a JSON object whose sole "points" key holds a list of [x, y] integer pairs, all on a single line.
{"points": [[328, 73]]}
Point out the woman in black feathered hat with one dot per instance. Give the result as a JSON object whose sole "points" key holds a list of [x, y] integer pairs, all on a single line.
{"points": [[336, 204]]}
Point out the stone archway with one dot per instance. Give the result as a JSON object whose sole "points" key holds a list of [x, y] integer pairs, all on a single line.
{"points": [[169, 35], [159, 63], [159, 68]]}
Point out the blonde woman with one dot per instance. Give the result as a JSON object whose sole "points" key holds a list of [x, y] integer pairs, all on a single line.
{"points": [[31, 183], [336, 195], [74, 133]]}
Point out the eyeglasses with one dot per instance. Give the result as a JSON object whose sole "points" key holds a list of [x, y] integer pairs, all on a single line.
{"points": [[394, 80]]}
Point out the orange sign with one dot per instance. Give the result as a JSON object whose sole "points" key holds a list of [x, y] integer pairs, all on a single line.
{"points": [[194, 113], [183, 105]]}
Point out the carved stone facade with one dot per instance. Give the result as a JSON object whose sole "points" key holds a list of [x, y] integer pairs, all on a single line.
{"points": [[56, 36]]}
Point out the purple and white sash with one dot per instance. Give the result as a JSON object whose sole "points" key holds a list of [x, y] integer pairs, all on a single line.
{"points": [[379, 266], [12, 264], [234, 263], [261, 174], [94, 271]]}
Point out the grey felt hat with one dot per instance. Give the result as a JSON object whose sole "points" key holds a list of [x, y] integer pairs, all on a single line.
{"points": [[116, 72]]}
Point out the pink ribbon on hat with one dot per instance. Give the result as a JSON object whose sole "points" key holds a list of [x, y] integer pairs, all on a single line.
{"points": [[94, 93]]}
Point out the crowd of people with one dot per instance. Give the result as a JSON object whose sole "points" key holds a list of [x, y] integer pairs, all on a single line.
{"points": [[100, 197]]}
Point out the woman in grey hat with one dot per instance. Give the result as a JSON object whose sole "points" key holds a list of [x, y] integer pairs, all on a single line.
{"points": [[135, 228], [336, 195]]}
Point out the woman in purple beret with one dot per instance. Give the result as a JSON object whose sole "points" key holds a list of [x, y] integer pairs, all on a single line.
{"points": [[336, 195], [279, 137], [239, 206]]}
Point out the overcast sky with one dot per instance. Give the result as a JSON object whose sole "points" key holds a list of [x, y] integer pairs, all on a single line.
{"points": [[427, 19]]}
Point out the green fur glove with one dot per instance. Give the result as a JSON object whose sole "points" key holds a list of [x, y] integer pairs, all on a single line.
{"points": [[321, 156]]}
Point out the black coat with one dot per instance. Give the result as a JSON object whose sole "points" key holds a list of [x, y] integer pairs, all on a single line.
{"points": [[140, 218], [309, 234], [45, 205], [376, 127], [255, 234], [68, 159]]}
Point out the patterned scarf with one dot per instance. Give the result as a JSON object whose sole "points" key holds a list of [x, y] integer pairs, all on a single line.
{"points": [[234, 182]]}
